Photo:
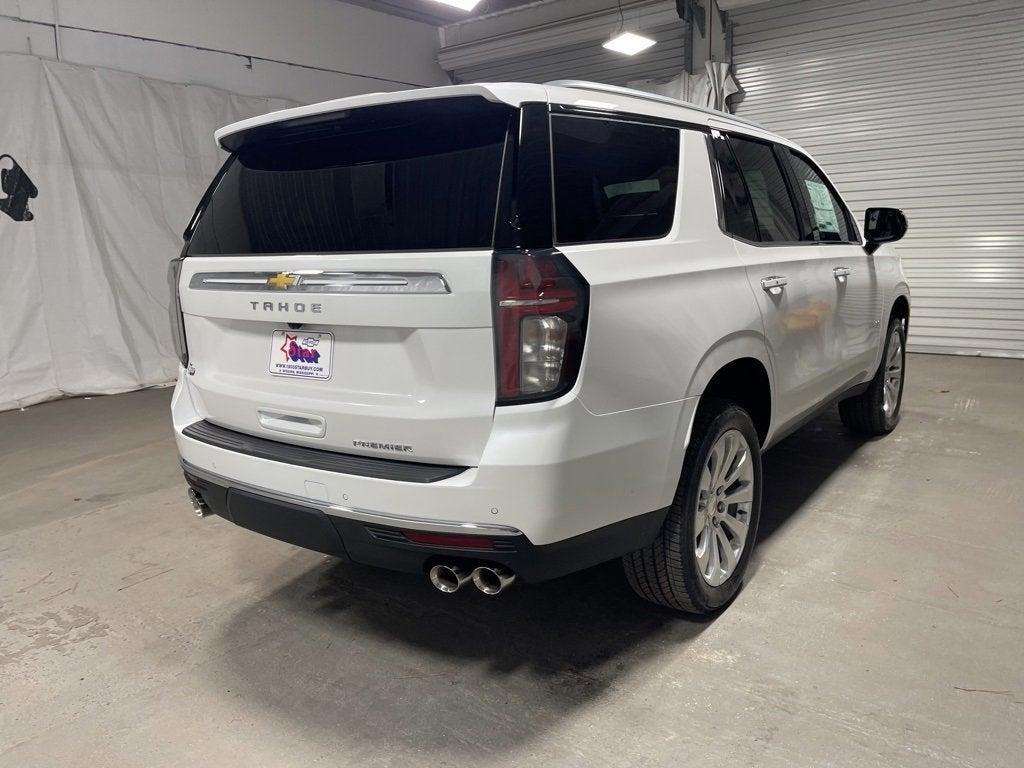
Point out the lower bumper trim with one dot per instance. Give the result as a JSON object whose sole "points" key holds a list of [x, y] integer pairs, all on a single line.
{"points": [[370, 543], [355, 513]]}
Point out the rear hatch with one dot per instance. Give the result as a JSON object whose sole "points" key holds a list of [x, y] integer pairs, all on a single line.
{"points": [[336, 289]]}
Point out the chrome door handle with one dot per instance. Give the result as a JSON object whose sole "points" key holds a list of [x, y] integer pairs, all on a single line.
{"points": [[774, 284], [841, 273]]}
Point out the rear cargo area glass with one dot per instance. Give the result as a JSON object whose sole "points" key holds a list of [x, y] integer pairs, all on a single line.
{"points": [[400, 177]]}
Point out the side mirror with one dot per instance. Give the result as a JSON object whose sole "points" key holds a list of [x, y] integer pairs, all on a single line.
{"points": [[883, 225]]}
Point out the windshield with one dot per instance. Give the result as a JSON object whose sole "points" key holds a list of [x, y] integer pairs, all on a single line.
{"points": [[398, 177]]}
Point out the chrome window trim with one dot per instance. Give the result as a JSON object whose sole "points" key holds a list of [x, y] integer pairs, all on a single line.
{"points": [[323, 281]]}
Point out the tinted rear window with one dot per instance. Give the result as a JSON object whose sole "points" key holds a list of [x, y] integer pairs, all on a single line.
{"points": [[774, 212], [613, 180], [736, 205], [399, 177]]}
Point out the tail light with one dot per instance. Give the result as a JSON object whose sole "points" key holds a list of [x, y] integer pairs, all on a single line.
{"points": [[540, 312], [174, 310]]}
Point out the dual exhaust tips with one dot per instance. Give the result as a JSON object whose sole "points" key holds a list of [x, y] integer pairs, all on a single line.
{"points": [[489, 579], [199, 505]]}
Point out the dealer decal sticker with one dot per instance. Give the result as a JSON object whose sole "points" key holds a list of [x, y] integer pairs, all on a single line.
{"points": [[302, 355]]}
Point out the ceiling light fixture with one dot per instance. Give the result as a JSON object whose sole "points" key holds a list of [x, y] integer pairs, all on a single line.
{"points": [[628, 43], [462, 5]]}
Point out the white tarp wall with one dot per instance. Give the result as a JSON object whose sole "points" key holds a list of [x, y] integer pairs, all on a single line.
{"points": [[120, 162]]}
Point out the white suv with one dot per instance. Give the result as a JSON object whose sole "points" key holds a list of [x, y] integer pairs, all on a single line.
{"points": [[501, 330]]}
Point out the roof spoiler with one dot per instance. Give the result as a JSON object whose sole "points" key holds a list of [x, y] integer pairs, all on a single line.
{"points": [[232, 137]]}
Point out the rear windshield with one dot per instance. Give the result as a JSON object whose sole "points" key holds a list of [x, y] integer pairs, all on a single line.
{"points": [[399, 177]]}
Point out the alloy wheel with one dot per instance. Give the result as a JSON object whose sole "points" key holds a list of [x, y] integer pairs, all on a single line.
{"points": [[725, 500], [893, 376]]}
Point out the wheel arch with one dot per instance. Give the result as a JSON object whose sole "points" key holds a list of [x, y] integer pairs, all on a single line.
{"points": [[901, 308], [723, 368], [744, 381], [728, 349], [736, 363]]}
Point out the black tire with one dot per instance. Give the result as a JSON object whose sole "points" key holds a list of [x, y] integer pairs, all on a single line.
{"points": [[866, 413], [667, 572]]}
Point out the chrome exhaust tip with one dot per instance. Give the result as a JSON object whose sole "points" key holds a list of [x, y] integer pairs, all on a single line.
{"points": [[198, 505], [492, 579], [448, 578]]}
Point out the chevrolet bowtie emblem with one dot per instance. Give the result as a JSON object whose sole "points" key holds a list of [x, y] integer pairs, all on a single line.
{"points": [[282, 280]]}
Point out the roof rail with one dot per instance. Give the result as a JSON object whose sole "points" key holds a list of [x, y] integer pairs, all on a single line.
{"points": [[646, 96]]}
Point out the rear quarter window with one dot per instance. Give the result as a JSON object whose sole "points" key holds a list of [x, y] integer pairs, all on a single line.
{"points": [[613, 180]]}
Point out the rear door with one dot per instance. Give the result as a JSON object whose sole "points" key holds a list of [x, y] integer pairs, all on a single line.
{"points": [[787, 275], [855, 281], [336, 291]]}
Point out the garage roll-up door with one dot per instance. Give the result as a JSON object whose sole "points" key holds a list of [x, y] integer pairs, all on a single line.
{"points": [[917, 104]]}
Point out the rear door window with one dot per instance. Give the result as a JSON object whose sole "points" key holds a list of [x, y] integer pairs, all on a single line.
{"points": [[829, 217], [400, 177], [613, 180], [774, 211], [737, 211]]}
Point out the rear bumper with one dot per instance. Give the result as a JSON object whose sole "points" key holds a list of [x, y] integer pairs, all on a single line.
{"points": [[380, 541], [550, 471]]}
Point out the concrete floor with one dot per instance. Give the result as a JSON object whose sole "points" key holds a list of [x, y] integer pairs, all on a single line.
{"points": [[882, 623]]}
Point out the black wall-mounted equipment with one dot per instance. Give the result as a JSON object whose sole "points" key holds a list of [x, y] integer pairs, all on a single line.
{"points": [[17, 189]]}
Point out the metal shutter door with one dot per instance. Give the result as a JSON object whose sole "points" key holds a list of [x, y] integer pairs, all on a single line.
{"points": [[917, 104]]}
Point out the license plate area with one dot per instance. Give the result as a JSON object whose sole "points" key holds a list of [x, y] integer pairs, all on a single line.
{"points": [[301, 354]]}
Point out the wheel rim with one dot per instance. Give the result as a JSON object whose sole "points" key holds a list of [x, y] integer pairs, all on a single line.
{"points": [[893, 376], [724, 504]]}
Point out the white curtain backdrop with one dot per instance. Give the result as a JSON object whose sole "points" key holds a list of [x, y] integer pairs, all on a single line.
{"points": [[120, 162]]}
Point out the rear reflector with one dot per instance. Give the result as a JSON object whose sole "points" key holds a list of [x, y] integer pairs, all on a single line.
{"points": [[449, 540]]}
